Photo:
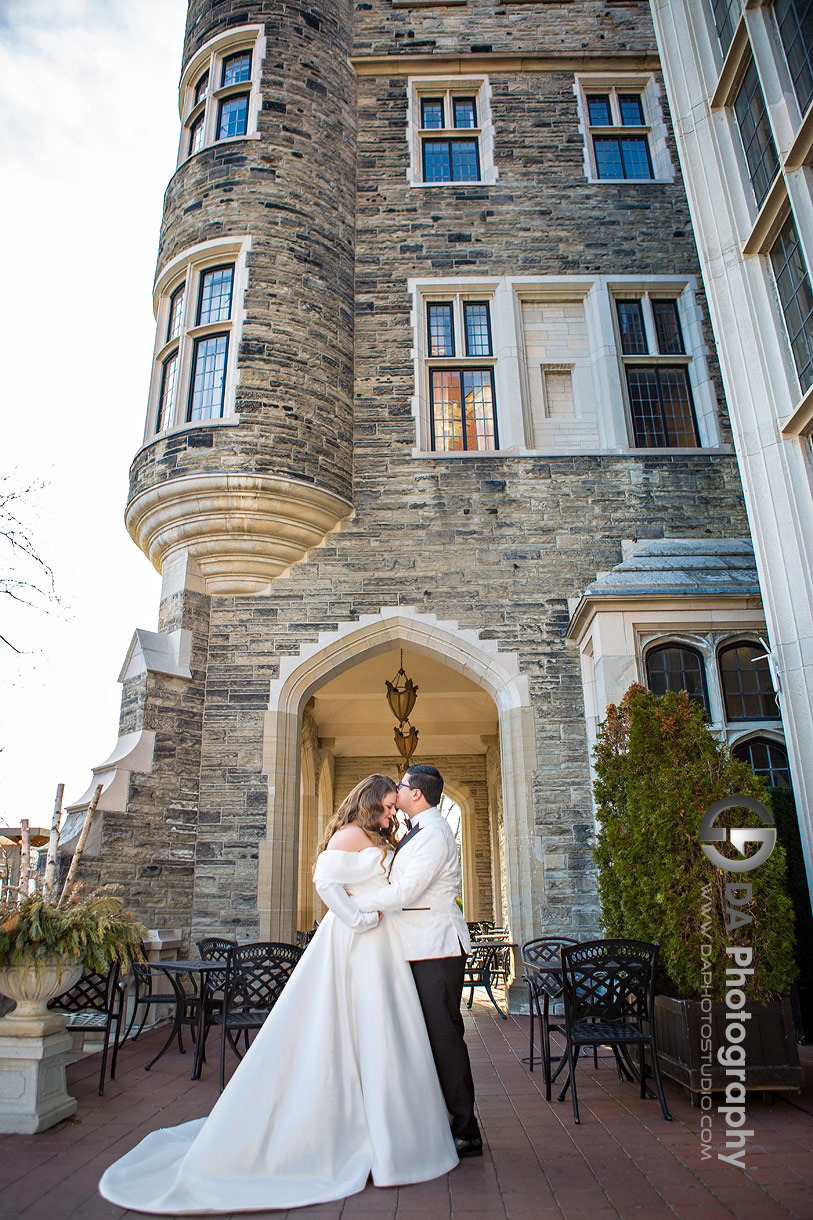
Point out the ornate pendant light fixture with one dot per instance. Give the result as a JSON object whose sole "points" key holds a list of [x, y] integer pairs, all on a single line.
{"points": [[401, 695]]}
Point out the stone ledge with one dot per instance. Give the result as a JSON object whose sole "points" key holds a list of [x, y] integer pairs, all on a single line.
{"points": [[241, 530]]}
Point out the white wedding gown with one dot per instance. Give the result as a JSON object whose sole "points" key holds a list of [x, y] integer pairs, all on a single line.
{"points": [[339, 1083]]}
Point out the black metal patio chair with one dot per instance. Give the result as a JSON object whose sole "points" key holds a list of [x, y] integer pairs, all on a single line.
{"points": [[145, 997], [95, 1002], [479, 972], [608, 988], [255, 977], [542, 963]]}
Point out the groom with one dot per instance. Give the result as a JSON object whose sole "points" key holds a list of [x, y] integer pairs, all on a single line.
{"points": [[424, 882]]}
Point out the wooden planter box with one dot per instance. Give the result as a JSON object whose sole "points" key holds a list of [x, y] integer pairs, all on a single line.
{"points": [[771, 1054]]}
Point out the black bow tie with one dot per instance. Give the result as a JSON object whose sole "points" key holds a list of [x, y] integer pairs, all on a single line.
{"points": [[408, 823]]}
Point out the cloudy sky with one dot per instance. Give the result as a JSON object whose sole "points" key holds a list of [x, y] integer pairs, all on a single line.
{"points": [[88, 139]]}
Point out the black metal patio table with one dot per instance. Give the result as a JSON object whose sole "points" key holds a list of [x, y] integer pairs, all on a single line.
{"points": [[197, 969], [479, 965]]}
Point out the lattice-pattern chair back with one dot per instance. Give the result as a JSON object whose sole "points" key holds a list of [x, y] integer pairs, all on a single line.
{"points": [[609, 980], [140, 970], [257, 974], [545, 953], [213, 949], [92, 993]]}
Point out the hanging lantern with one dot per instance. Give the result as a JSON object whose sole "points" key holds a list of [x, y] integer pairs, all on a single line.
{"points": [[406, 740], [401, 694]]}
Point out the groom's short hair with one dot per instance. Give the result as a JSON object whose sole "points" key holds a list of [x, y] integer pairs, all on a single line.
{"points": [[429, 780]]}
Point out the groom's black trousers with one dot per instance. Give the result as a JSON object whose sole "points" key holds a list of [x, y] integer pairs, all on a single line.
{"points": [[439, 981]]}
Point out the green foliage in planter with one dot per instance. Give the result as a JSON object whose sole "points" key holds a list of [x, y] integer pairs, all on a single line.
{"points": [[91, 929], [658, 768]]}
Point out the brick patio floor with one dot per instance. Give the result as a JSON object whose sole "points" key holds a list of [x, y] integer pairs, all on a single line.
{"points": [[623, 1160]]}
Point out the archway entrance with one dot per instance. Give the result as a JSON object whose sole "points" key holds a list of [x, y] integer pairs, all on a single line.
{"points": [[314, 754], [347, 733]]}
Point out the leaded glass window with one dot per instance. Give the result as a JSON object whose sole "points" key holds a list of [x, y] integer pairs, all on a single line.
{"points": [[232, 117], [746, 680], [214, 300], [795, 21], [236, 68], [208, 377], [674, 667], [767, 758], [756, 135], [796, 297]]}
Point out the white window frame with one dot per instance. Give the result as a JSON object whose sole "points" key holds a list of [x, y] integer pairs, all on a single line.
{"points": [[604, 364], [654, 128], [210, 57], [449, 87], [186, 270]]}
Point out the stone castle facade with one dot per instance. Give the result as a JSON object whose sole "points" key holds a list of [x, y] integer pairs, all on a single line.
{"points": [[433, 375]]}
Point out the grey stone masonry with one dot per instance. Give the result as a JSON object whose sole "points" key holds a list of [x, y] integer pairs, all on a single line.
{"points": [[495, 543]]}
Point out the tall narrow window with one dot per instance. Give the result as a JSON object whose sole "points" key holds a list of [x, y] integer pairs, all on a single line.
{"points": [[674, 667], [208, 378], [220, 90], [746, 680], [659, 393], [461, 393], [796, 297], [195, 327], [795, 21], [756, 135], [726, 14]]}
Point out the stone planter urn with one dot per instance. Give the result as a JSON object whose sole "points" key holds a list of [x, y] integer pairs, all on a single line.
{"points": [[33, 1047]]}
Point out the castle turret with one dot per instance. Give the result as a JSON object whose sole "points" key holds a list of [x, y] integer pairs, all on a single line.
{"points": [[247, 453]]}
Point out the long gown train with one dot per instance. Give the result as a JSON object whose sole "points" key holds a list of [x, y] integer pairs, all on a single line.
{"points": [[339, 1083]]}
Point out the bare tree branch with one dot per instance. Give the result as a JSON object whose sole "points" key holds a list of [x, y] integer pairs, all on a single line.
{"points": [[25, 577]]}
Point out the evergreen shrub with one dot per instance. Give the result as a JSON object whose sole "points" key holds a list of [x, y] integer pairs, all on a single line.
{"points": [[658, 769]]}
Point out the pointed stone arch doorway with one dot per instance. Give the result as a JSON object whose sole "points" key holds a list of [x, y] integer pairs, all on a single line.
{"points": [[328, 725]]}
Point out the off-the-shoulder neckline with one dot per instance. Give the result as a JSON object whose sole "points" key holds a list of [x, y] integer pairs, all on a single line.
{"points": [[347, 852]]}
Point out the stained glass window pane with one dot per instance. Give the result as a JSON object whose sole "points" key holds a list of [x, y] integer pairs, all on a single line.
{"points": [[196, 135], [796, 297], [232, 117], [756, 135], [598, 106], [631, 326], [767, 758], [667, 328], [478, 330], [673, 668], [208, 377], [726, 14], [214, 302], [795, 21], [465, 161], [441, 332], [166, 398], [432, 113], [175, 313], [236, 68], [465, 112], [747, 688], [202, 87], [631, 108]]}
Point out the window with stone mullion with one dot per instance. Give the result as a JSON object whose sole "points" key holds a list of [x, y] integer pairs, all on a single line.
{"points": [[794, 19], [796, 298], [755, 132], [726, 14]]}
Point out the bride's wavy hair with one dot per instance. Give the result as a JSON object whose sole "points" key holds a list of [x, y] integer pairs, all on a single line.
{"points": [[363, 807]]}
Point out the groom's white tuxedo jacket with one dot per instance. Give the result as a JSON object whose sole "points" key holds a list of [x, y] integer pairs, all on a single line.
{"points": [[424, 882]]}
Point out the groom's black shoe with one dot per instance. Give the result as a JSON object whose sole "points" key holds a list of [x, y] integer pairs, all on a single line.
{"points": [[473, 1147]]}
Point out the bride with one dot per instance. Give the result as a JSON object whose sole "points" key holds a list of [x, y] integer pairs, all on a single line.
{"points": [[339, 1082]]}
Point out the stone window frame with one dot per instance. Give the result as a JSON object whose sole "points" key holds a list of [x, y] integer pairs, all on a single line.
{"points": [[709, 644], [652, 356], [186, 270], [477, 86], [603, 368], [615, 84], [203, 110]]}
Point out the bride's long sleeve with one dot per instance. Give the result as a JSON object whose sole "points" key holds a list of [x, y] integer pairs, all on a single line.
{"points": [[336, 897]]}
